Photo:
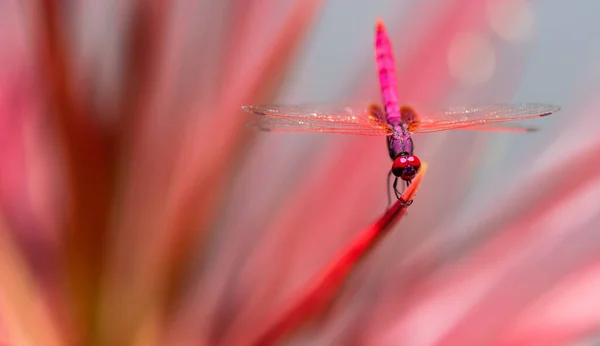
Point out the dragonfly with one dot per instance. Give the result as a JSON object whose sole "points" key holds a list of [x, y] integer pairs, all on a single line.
{"points": [[398, 123]]}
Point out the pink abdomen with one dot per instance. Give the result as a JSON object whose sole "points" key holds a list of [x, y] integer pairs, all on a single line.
{"points": [[387, 74]]}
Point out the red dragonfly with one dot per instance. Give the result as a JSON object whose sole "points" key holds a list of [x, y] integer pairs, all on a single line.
{"points": [[396, 122]]}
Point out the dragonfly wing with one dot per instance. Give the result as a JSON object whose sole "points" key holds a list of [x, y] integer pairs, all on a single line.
{"points": [[319, 118], [500, 128], [465, 117]]}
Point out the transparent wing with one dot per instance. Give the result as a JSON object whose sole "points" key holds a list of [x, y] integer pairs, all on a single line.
{"points": [[465, 117], [503, 127], [319, 118]]}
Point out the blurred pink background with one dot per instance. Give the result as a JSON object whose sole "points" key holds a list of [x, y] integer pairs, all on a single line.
{"points": [[171, 223]]}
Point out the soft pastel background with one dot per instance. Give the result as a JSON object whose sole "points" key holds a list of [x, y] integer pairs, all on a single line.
{"points": [[159, 219]]}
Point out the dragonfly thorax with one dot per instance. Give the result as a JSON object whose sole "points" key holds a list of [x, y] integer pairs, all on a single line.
{"points": [[400, 142]]}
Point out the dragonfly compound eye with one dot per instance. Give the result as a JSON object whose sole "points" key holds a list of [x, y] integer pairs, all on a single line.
{"points": [[406, 166]]}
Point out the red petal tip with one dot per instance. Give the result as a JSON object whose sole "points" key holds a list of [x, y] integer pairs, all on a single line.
{"points": [[380, 26]]}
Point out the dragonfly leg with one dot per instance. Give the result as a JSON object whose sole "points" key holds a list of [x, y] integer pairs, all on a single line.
{"points": [[389, 195], [407, 184], [396, 192]]}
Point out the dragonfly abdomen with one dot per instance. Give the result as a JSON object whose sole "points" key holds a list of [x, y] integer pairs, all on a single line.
{"points": [[387, 74]]}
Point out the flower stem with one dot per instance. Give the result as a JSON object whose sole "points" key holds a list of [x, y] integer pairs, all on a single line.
{"points": [[320, 292]]}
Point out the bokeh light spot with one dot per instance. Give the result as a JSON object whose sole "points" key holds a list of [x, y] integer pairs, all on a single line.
{"points": [[511, 20], [471, 58]]}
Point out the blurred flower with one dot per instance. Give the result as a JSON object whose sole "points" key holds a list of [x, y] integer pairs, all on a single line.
{"points": [[135, 208], [141, 121]]}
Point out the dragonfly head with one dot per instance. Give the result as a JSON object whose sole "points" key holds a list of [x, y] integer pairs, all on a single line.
{"points": [[406, 166]]}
